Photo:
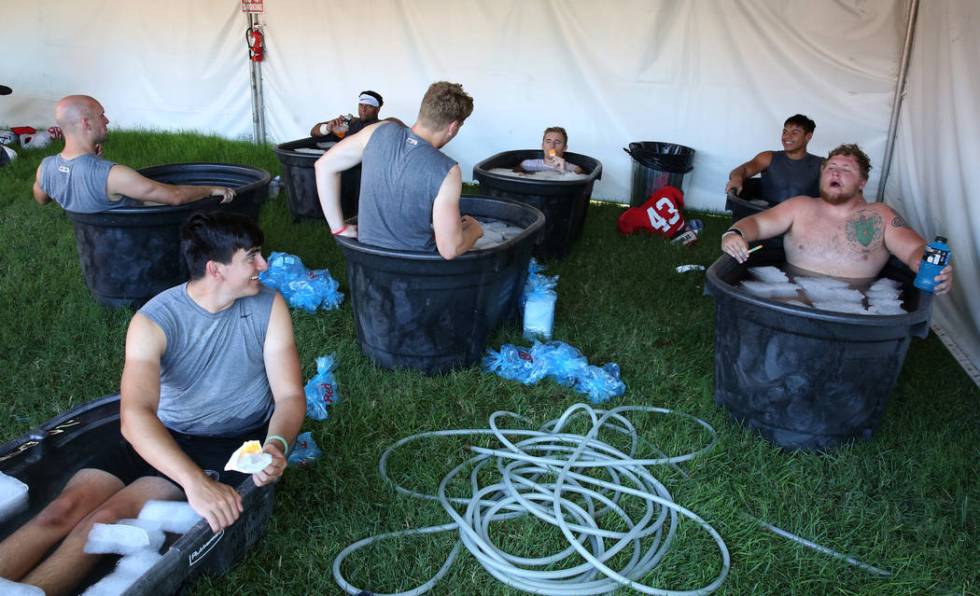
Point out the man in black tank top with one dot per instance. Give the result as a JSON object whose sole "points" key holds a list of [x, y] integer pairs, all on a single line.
{"points": [[785, 174], [409, 189], [222, 319]]}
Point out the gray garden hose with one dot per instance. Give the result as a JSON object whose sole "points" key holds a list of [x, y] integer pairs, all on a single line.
{"points": [[544, 473]]}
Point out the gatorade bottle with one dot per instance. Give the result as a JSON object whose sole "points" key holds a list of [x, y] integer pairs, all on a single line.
{"points": [[341, 130], [934, 259]]}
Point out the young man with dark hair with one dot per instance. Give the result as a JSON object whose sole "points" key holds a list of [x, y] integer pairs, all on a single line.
{"points": [[81, 181], [840, 234], [409, 189], [209, 364], [368, 107], [785, 174]]}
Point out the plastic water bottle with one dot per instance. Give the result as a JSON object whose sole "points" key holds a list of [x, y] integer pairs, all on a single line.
{"points": [[934, 259], [274, 186]]}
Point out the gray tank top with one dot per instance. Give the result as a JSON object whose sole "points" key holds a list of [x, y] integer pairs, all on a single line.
{"points": [[400, 177], [786, 178], [79, 184], [212, 374]]}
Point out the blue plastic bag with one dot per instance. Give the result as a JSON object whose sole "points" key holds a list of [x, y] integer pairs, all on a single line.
{"points": [[321, 391], [537, 284], [302, 288], [305, 451], [600, 384], [513, 363], [560, 362]]}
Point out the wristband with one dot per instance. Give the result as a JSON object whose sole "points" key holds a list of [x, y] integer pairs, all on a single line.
{"points": [[340, 231], [324, 129], [734, 230], [285, 445]]}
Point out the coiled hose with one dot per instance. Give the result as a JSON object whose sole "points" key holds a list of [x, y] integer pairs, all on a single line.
{"points": [[545, 473]]}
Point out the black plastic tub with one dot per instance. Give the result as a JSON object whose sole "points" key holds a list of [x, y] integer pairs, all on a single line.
{"points": [[563, 202], [297, 159], [46, 458], [129, 255], [805, 378], [749, 202], [417, 310]]}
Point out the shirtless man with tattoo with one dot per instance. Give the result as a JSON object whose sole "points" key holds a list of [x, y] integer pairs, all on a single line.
{"points": [[840, 235]]}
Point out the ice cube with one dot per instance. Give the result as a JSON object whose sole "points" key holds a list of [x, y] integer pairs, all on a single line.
{"points": [[9, 588], [886, 282], [820, 282], [136, 564], [886, 307], [843, 306], [153, 531], [13, 496], [116, 538], [173, 516], [488, 240], [883, 293], [769, 274], [539, 315], [833, 294], [771, 290]]}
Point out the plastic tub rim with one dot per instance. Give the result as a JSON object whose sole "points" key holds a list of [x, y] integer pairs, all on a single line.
{"points": [[470, 255], [264, 178], [279, 150], [595, 174], [909, 319]]}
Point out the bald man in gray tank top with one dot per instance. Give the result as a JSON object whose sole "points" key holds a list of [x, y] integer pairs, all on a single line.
{"points": [[409, 189], [209, 364], [81, 181]]}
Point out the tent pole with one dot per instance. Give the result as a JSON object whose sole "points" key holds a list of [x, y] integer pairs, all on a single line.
{"points": [[899, 95], [258, 104]]}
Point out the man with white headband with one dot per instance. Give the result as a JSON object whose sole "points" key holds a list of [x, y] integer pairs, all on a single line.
{"points": [[368, 105]]}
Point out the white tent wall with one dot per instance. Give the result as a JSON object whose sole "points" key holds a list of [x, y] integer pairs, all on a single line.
{"points": [[719, 76], [715, 75], [175, 65], [934, 180]]}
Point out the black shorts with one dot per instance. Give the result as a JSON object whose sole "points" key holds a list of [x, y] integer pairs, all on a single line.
{"points": [[209, 452]]}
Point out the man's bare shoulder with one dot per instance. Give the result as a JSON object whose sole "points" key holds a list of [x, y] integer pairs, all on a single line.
{"points": [[882, 209], [800, 205]]}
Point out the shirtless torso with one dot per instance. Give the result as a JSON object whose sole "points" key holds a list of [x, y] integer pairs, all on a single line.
{"points": [[839, 234], [840, 240]]}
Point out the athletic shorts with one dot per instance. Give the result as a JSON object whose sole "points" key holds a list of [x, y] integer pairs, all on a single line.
{"points": [[210, 453]]}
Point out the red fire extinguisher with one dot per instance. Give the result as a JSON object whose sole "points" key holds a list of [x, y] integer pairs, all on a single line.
{"points": [[254, 40]]}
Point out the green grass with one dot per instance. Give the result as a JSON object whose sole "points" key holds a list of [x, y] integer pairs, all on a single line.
{"points": [[906, 501]]}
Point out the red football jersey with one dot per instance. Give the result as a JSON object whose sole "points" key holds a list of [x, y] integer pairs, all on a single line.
{"points": [[660, 214]]}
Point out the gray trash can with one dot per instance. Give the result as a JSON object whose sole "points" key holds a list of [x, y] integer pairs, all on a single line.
{"points": [[657, 164]]}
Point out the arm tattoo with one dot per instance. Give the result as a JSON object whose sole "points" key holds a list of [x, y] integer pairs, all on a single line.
{"points": [[899, 222]]}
